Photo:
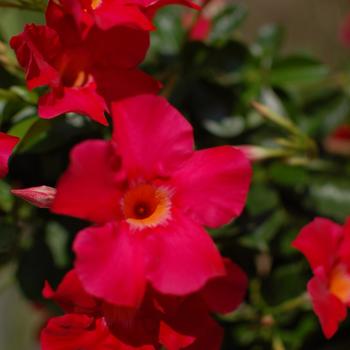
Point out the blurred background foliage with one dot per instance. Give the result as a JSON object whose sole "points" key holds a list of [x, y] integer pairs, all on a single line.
{"points": [[300, 76]]}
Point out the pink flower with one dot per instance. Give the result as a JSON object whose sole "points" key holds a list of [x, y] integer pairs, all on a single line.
{"points": [[150, 194], [326, 245], [7, 144]]}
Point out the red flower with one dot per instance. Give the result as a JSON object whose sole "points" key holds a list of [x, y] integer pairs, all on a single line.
{"points": [[83, 327], [326, 245], [338, 142], [7, 144], [106, 14], [80, 71], [151, 193], [176, 323]]}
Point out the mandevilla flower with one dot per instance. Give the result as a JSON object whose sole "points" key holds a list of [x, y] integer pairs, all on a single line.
{"points": [[177, 323], [7, 144], [150, 194], [107, 14], [73, 67], [326, 245]]}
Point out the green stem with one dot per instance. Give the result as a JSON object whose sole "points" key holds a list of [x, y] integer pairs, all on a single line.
{"points": [[292, 304]]}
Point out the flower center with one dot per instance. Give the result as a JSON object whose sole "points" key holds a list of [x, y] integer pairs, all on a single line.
{"points": [[147, 206], [95, 4], [340, 283]]}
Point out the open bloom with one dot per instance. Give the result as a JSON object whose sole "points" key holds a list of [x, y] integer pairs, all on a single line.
{"points": [[106, 14], [7, 144], [150, 194], [176, 323], [76, 69], [326, 245]]}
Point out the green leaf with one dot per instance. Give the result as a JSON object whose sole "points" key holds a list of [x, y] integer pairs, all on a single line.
{"points": [[297, 70], [330, 198], [261, 237], [6, 198], [57, 240]]}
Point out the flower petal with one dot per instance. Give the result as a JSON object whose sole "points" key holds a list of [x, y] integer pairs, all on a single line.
{"points": [[110, 264], [90, 188], [329, 309], [116, 84], [319, 241], [181, 257], [7, 144], [83, 100], [224, 294], [72, 332], [212, 186], [35, 48], [71, 296], [152, 136]]}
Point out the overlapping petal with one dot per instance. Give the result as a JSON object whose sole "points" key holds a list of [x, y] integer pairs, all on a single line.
{"points": [[212, 186], [224, 294], [90, 188], [181, 257], [82, 100], [110, 263], [330, 310], [152, 136]]}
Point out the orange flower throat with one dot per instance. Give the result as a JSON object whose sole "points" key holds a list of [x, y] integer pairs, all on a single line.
{"points": [[147, 206]]}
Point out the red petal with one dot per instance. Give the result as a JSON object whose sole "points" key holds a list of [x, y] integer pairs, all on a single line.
{"points": [[225, 294], [71, 296], [36, 48], [319, 241], [181, 257], [212, 186], [72, 332], [110, 264], [7, 144], [152, 136], [90, 188], [329, 309], [117, 84], [83, 100]]}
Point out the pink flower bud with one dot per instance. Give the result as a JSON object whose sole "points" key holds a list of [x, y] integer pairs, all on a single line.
{"points": [[41, 197]]}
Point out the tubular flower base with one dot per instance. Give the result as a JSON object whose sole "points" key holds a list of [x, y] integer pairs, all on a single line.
{"points": [[177, 323], [326, 245], [7, 144], [150, 194]]}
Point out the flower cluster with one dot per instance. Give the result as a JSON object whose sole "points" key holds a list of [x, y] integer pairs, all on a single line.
{"points": [[146, 273]]}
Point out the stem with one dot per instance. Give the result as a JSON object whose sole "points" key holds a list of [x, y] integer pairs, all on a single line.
{"points": [[292, 304]]}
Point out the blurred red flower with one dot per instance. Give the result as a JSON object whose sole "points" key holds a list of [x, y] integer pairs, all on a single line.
{"points": [[338, 142], [326, 245], [150, 193]]}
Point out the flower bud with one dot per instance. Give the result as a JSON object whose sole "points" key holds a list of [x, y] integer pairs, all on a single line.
{"points": [[41, 197]]}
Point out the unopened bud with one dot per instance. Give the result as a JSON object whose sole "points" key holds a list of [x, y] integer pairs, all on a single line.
{"points": [[41, 197]]}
